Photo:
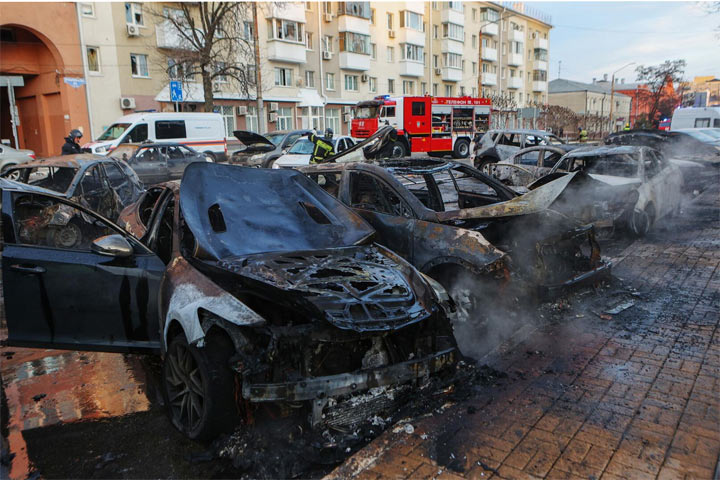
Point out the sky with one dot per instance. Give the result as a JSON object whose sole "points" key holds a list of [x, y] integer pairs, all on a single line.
{"points": [[593, 38]]}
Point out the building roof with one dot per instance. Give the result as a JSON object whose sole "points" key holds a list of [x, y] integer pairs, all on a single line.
{"points": [[562, 85]]}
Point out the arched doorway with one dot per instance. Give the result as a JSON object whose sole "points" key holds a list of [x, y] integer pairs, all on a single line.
{"points": [[41, 117]]}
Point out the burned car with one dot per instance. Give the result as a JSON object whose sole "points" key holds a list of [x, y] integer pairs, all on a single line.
{"points": [[159, 161], [101, 184], [451, 220], [262, 150], [627, 186], [674, 144], [497, 145], [256, 286], [525, 166]]}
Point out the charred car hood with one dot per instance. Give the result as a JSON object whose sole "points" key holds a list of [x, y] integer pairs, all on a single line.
{"points": [[354, 288], [254, 143]]}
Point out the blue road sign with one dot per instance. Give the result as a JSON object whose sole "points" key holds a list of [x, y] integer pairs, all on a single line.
{"points": [[176, 93]]}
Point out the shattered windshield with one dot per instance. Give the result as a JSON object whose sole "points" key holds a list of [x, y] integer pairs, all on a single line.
{"points": [[114, 131], [275, 138], [623, 165], [366, 112], [57, 179], [235, 212]]}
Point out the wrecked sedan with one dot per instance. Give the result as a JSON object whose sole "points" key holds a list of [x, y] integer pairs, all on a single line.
{"points": [[262, 150], [450, 221], [497, 145], [158, 162], [626, 186], [525, 166], [101, 184], [254, 284]]}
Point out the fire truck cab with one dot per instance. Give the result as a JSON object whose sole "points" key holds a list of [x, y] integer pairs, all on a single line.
{"points": [[433, 125]]}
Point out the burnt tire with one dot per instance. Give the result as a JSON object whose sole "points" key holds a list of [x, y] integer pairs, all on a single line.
{"points": [[484, 160], [199, 387], [13, 176], [462, 148]]}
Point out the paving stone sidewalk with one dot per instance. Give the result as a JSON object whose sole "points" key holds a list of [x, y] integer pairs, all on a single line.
{"points": [[631, 395]]}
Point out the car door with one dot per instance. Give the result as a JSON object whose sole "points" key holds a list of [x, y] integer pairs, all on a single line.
{"points": [[150, 165], [95, 192], [74, 298], [120, 183]]}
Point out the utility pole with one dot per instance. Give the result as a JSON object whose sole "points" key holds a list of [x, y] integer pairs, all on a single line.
{"points": [[612, 93], [559, 67], [258, 75]]}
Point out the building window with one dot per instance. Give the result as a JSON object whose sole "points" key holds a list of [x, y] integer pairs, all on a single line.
{"points": [[490, 15], [372, 16], [138, 65], [373, 51], [220, 77], [391, 85], [327, 45], [541, 54], [448, 90], [539, 76], [408, 87], [87, 9], [356, 9], [474, 91], [516, 47], [372, 85], [228, 114], [520, 97], [251, 119], [286, 30], [474, 14], [412, 20], [330, 81], [327, 7], [285, 118], [457, 6], [332, 119], [452, 60], [309, 79], [435, 89], [283, 77], [248, 30], [93, 59], [474, 41], [312, 117], [462, 91], [453, 31], [411, 52], [390, 21], [390, 54], [354, 43], [308, 40], [351, 83], [423, 88], [134, 14], [463, 65], [175, 70], [435, 61]]}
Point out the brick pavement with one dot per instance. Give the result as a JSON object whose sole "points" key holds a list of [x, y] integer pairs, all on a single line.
{"points": [[636, 396]]}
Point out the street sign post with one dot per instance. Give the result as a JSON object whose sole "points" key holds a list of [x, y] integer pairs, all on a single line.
{"points": [[176, 93]]}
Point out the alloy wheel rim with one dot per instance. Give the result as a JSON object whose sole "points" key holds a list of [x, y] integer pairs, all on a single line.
{"points": [[185, 389]]}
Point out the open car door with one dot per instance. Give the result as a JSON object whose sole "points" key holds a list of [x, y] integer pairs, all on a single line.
{"points": [[82, 284]]}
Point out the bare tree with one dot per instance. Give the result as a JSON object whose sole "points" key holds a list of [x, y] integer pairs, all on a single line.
{"points": [[561, 120], [504, 108], [213, 40], [659, 80]]}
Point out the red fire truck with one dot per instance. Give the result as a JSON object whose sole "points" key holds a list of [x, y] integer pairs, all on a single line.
{"points": [[435, 125]]}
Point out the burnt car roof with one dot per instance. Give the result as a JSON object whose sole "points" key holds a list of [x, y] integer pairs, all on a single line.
{"points": [[606, 150], [79, 160], [521, 130], [237, 211]]}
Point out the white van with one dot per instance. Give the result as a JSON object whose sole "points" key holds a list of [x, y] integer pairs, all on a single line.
{"points": [[204, 132], [696, 117]]}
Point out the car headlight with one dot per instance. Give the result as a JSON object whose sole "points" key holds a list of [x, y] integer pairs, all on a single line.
{"points": [[101, 149]]}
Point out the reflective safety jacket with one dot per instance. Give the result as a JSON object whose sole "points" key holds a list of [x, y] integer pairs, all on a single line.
{"points": [[323, 148], [583, 135]]}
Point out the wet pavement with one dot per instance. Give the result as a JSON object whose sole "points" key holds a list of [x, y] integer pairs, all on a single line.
{"points": [[618, 382]]}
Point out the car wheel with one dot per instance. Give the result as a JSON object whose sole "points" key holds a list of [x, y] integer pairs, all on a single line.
{"points": [[14, 175], [640, 222], [199, 387], [397, 150], [462, 148], [269, 162]]}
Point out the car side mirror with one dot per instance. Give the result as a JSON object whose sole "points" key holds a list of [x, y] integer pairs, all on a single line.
{"points": [[112, 246]]}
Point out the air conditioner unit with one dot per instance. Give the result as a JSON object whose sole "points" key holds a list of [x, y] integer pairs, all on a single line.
{"points": [[241, 110], [438, 71], [363, 77], [273, 117], [346, 117], [133, 31], [328, 17], [127, 103], [273, 106], [327, 55], [347, 110], [391, 33]]}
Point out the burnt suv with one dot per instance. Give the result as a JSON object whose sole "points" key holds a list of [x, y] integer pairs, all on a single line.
{"points": [[285, 299]]}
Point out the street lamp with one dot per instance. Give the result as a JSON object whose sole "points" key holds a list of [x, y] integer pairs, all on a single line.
{"points": [[612, 93]]}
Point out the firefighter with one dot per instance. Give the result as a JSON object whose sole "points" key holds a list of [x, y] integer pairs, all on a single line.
{"points": [[582, 135], [627, 127], [72, 143], [323, 146]]}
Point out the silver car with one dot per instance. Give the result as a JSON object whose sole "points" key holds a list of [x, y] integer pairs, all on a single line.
{"points": [[9, 157]]}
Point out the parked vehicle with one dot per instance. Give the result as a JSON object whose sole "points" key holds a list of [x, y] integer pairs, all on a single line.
{"points": [[158, 162], [434, 125], [699, 147], [695, 117], [101, 184], [9, 157], [624, 186], [205, 132], [524, 166], [451, 222], [497, 145], [281, 300], [263, 150], [300, 153]]}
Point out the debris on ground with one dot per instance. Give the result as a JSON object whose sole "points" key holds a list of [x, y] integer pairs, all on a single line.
{"points": [[620, 307]]}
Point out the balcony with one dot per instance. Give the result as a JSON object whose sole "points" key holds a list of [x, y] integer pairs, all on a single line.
{"points": [[539, 86], [417, 7], [541, 43], [489, 54], [449, 45], [354, 61], [515, 82], [411, 36], [350, 23], [283, 51], [489, 79], [411, 68], [450, 74], [294, 11], [167, 36], [541, 65], [515, 59], [490, 29], [517, 36], [452, 16]]}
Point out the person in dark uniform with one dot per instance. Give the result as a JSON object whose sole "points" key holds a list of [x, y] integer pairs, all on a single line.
{"points": [[72, 143], [323, 146]]}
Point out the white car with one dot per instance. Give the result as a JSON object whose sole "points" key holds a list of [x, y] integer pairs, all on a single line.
{"points": [[301, 151]]}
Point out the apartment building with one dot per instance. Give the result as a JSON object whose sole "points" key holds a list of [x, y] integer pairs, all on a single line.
{"points": [[592, 100]]}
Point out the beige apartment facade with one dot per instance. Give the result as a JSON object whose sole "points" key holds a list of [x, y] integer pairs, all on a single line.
{"points": [[318, 59]]}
